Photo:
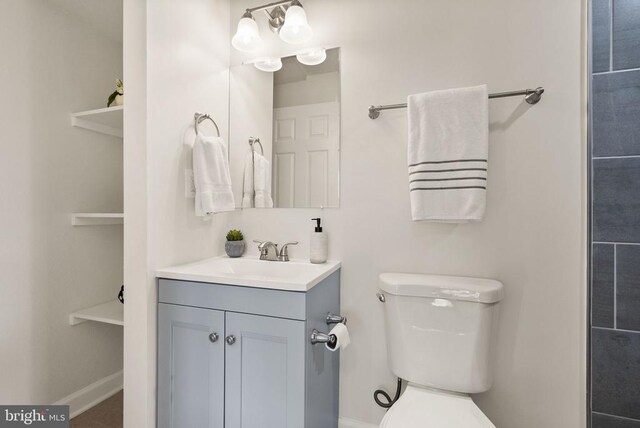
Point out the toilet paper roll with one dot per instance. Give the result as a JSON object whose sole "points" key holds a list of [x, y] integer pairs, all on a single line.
{"points": [[342, 338]]}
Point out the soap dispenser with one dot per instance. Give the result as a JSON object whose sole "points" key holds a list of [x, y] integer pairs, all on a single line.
{"points": [[319, 245]]}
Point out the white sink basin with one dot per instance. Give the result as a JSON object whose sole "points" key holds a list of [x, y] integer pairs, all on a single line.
{"points": [[294, 275]]}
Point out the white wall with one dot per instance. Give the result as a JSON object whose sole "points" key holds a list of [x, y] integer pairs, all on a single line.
{"points": [[53, 65], [532, 238], [176, 55]]}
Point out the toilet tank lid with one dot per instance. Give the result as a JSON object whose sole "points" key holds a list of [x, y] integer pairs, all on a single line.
{"points": [[443, 286]]}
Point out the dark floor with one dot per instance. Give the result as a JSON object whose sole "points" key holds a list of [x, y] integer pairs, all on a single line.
{"points": [[107, 414]]}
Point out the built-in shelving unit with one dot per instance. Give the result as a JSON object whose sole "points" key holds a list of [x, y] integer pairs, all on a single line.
{"points": [[96, 219], [107, 121], [110, 313], [104, 120]]}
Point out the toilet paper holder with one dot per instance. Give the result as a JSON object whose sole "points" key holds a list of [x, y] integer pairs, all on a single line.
{"points": [[319, 337], [335, 319]]}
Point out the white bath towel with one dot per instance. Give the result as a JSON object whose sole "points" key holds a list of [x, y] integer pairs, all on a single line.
{"points": [[256, 182], [211, 176], [448, 154]]}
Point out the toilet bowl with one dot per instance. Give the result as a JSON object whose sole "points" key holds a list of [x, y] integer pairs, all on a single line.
{"points": [[440, 332], [420, 407]]}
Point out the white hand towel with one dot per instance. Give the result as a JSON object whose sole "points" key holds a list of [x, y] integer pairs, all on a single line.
{"points": [[257, 182], [448, 154], [211, 176], [248, 185], [263, 182]]}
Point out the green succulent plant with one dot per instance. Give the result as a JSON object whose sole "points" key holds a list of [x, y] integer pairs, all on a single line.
{"points": [[235, 235]]}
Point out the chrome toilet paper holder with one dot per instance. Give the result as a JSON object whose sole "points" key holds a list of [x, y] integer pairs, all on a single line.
{"points": [[319, 337], [335, 319]]}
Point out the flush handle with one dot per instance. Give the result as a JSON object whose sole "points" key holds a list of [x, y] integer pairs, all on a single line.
{"points": [[381, 297]]}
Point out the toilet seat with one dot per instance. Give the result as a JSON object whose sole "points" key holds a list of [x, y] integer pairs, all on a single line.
{"points": [[420, 407]]}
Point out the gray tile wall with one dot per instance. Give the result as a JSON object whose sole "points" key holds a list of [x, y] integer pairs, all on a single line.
{"points": [[615, 214], [601, 30]]}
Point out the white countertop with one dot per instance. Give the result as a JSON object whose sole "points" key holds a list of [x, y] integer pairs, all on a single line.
{"points": [[294, 275]]}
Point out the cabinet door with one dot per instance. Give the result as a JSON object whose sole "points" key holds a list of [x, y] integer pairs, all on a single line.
{"points": [[264, 372], [190, 367]]}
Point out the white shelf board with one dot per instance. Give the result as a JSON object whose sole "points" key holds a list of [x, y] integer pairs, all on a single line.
{"points": [[111, 313], [104, 120], [96, 219]]}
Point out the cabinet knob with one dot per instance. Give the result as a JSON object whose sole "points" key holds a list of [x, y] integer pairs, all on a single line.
{"points": [[213, 337], [231, 339]]}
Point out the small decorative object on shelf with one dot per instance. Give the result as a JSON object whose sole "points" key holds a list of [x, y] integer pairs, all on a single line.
{"points": [[118, 94], [235, 243], [121, 294]]}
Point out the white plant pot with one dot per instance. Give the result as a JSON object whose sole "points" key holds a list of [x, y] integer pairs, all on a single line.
{"points": [[119, 100]]}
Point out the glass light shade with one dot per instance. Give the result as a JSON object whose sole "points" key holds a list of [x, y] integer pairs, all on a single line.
{"points": [[268, 64], [296, 29], [247, 37], [312, 56]]}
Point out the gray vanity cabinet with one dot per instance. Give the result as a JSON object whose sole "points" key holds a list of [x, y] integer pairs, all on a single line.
{"points": [[260, 371], [190, 379], [265, 372]]}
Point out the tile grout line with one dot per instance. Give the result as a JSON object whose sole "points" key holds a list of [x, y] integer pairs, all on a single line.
{"points": [[615, 286], [616, 243], [617, 330], [624, 70], [615, 416], [616, 157], [620, 330], [610, 35]]}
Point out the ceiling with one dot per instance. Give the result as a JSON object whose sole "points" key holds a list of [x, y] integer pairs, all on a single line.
{"points": [[103, 15]]}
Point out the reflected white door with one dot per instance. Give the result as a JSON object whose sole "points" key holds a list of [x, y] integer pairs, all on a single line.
{"points": [[306, 156]]}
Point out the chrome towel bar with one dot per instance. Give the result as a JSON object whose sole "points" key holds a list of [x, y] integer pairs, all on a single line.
{"points": [[531, 96]]}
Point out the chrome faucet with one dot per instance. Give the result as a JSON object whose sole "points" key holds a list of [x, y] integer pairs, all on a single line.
{"points": [[265, 254], [269, 251], [284, 254]]}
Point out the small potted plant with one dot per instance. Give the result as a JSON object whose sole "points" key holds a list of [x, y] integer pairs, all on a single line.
{"points": [[118, 94], [235, 243]]}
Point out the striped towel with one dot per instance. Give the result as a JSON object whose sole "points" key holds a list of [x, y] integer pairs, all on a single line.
{"points": [[448, 154]]}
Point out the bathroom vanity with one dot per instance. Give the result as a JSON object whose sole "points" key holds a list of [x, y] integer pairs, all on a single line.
{"points": [[234, 344]]}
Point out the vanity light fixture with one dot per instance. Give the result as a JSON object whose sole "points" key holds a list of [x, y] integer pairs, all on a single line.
{"points": [[268, 64], [296, 29], [286, 17], [313, 56], [247, 37]]}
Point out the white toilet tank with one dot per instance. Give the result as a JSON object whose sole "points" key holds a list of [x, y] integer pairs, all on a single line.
{"points": [[440, 330]]}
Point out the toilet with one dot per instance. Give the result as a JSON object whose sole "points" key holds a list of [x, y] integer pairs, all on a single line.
{"points": [[440, 333]]}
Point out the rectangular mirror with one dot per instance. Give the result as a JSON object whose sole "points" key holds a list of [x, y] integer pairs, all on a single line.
{"points": [[284, 134]]}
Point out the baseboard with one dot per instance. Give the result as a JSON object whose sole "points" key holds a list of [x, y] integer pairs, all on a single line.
{"points": [[351, 423], [93, 394]]}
